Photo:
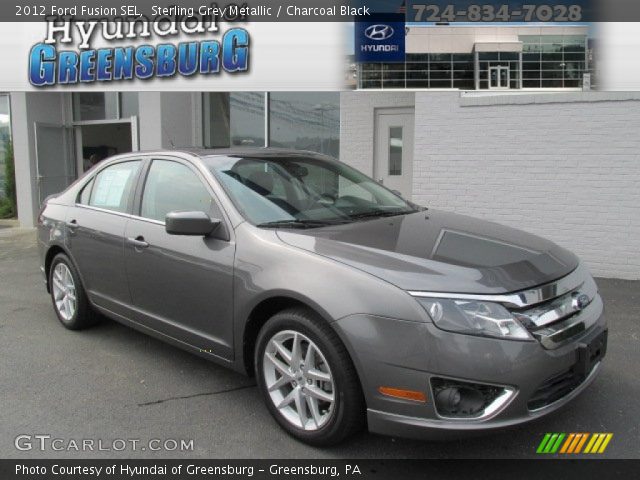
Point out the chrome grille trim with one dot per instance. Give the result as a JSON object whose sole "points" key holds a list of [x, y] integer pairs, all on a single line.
{"points": [[524, 298], [561, 307], [556, 334]]}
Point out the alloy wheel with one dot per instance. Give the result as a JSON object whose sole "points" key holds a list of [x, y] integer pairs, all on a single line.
{"points": [[64, 291], [299, 380]]}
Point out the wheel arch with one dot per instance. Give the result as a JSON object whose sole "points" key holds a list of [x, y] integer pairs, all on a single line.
{"points": [[53, 250], [262, 312]]}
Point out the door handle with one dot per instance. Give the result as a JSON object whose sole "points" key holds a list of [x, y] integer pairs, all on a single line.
{"points": [[137, 242]]}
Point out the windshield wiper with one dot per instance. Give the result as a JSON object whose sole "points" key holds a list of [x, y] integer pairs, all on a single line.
{"points": [[380, 214], [297, 223]]}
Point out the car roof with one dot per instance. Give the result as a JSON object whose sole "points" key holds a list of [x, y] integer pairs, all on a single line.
{"points": [[211, 154], [249, 152]]}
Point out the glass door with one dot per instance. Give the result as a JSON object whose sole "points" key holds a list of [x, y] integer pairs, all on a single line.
{"points": [[498, 77]]}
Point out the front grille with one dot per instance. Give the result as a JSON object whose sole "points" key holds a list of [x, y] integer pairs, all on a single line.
{"points": [[555, 388]]}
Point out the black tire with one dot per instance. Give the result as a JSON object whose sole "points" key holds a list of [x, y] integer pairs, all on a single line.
{"points": [[348, 413], [84, 316]]}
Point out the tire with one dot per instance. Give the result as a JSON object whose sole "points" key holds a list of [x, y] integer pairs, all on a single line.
{"points": [[333, 409], [64, 283]]}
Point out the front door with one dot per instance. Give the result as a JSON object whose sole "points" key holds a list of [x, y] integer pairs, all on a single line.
{"points": [[393, 166], [498, 77], [181, 286]]}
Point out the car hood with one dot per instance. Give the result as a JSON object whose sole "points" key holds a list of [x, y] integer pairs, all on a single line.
{"points": [[440, 252]]}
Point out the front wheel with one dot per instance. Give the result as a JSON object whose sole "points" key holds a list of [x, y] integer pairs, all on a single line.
{"points": [[307, 378]]}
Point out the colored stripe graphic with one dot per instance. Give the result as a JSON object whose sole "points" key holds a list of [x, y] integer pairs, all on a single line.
{"points": [[556, 445], [581, 442], [594, 437], [598, 443], [550, 443], [543, 443], [567, 443], [573, 443], [607, 439]]}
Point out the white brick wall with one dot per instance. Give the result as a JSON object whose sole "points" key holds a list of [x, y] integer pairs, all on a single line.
{"points": [[566, 167]]}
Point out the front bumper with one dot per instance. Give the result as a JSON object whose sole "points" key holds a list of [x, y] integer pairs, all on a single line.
{"points": [[406, 355], [424, 428]]}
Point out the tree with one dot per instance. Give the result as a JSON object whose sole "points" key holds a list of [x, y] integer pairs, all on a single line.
{"points": [[8, 205]]}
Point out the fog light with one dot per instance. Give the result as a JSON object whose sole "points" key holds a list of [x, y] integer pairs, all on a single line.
{"points": [[459, 401], [456, 399]]}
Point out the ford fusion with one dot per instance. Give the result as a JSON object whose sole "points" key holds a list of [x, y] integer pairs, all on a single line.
{"points": [[350, 305]]}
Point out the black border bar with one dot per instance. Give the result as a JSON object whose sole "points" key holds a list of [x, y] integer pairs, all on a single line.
{"points": [[449, 469]]}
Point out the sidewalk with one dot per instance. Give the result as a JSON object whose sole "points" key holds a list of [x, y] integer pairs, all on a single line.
{"points": [[14, 239]]}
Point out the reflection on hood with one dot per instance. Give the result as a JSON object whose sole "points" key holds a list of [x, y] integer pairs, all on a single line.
{"points": [[440, 251]]}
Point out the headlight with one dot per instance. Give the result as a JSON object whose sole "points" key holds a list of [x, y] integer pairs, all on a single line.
{"points": [[473, 317]]}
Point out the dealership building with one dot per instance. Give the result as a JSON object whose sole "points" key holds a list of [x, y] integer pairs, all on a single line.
{"points": [[485, 57], [564, 165]]}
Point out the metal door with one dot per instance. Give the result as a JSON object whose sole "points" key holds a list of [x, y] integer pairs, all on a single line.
{"points": [[55, 159], [394, 150]]}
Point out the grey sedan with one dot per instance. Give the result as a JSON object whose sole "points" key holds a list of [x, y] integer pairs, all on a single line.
{"points": [[351, 305]]}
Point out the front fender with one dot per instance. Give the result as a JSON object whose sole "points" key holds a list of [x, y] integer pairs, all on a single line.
{"points": [[265, 267]]}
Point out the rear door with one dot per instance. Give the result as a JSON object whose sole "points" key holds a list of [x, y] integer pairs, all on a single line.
{"points": [[181, 286], [96, 227]]}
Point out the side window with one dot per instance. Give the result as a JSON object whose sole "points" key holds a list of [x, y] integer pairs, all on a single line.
{"points": [[173, 187], [83, 198], [112, 186]]}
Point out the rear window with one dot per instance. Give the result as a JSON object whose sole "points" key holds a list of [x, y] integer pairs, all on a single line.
{"points": [[112, 186]]}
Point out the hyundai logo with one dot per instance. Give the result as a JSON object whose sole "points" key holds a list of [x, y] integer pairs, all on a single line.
{"points": [[378, 32]]}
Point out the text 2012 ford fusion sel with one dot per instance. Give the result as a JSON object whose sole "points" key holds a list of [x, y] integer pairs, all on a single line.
{"points": [[350, 305]]}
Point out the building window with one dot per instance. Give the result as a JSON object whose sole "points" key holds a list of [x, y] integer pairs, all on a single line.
{"points": [[305, 121], [563, 55], [129, 104], [233, 119], [421, 70], [395, 150], [93, 106], [553, 61]]}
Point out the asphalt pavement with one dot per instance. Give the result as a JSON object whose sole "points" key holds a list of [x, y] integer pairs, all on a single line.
{"points": [[111, 382]]}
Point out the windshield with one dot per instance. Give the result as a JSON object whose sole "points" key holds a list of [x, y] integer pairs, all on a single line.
{"points": [[301, 191]]}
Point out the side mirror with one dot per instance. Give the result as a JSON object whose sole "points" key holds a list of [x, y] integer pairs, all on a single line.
{"points": [[190, 223]]}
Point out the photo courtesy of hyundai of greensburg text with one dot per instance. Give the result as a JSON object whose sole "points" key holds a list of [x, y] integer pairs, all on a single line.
{"points": [[362, 239]]}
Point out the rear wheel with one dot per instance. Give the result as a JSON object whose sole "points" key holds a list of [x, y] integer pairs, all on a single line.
{"points": [[69, 299], [307, 378]]}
